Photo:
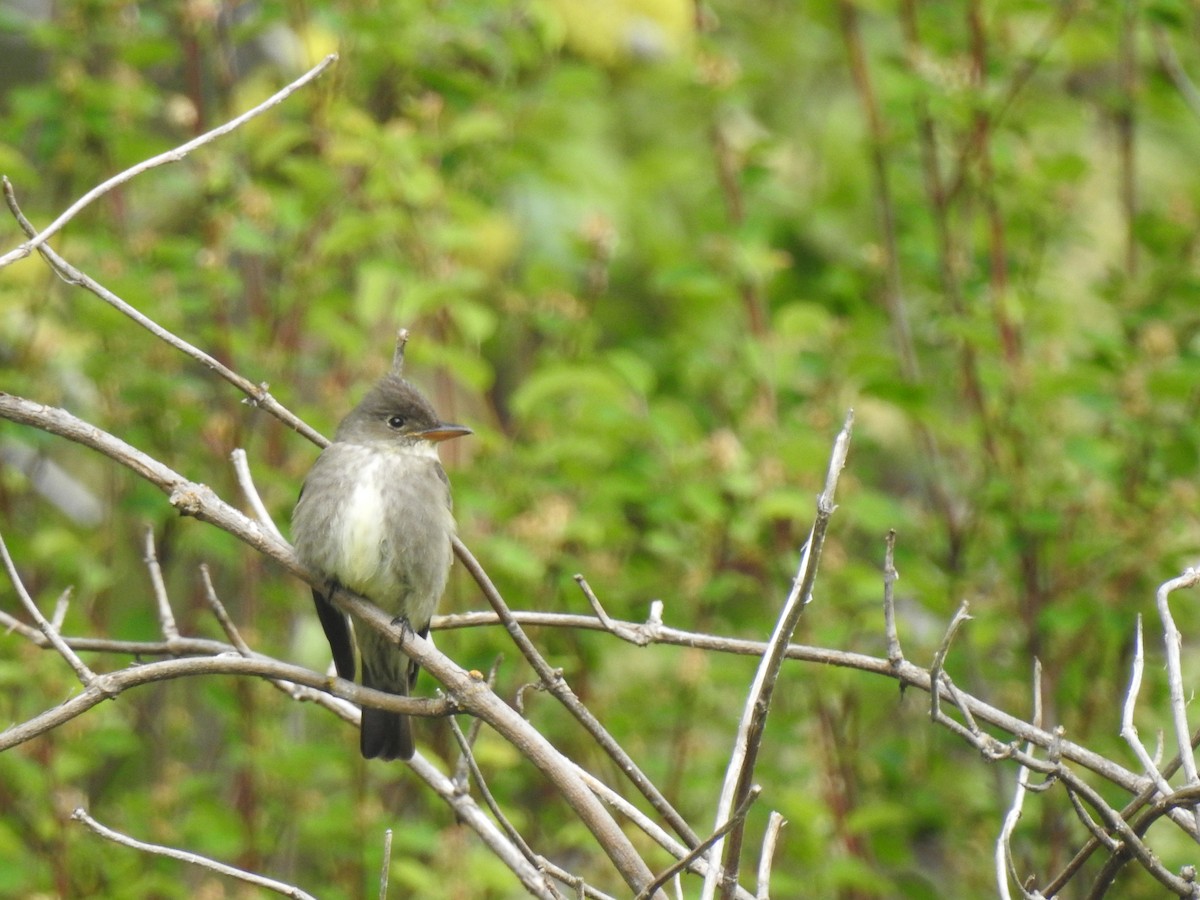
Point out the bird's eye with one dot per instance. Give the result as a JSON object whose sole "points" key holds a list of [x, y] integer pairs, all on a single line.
{"points": [[396, 422]]}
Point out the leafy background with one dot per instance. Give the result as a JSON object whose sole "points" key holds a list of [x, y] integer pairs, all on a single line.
{"points": [[651, 253]]}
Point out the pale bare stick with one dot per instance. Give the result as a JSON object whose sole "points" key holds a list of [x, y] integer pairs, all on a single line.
{"points": [[241, 466], [195, 859], [740, 771], [636, 636], [13, 624], [939, 658], [387, 864], [86, 676], [170, 156], [890, 576], [166, 618], [1172, 640], [775, 823], [60, 609], [1128, 730], [651, 829], [1005, 867]]}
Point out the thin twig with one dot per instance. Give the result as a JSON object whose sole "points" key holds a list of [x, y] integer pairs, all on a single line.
{"points": [[558, 687], [1174, 68], [939, 658], [170, 156], [166, 618], [1172, 640], [223, 617], [60, 609], [489, 800], [890, 576], [257, 394], [387, 863], [775, 823], [195, 859], [738, 817], [1128, 730], [1107, 840], [241, 466], [634, 635], [652, 830], [740, 771], [1005, 865], [230, 663], [86, 676]]}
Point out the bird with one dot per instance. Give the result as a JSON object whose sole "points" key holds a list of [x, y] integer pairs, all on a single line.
{"points": [[375, 516]]}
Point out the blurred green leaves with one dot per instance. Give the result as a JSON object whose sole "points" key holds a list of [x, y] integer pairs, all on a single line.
{"points": [[640, 251]]}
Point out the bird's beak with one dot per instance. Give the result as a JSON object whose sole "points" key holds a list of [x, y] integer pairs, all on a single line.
{"points": [[443, 432]]}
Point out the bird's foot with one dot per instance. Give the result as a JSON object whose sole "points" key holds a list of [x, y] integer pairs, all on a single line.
{"points": [[406, 629]]}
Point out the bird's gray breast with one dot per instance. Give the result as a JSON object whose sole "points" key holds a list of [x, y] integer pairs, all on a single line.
{"points": [[377, 518]]}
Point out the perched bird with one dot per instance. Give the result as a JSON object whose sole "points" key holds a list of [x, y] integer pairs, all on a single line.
{"points": [[374, 516]]}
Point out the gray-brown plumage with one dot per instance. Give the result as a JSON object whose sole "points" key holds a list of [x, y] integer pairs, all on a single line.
{"points": [[374, 515]]}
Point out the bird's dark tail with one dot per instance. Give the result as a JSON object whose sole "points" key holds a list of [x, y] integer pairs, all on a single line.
{"points": [[385, 735]]}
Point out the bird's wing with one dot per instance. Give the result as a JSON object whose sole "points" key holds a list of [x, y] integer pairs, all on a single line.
{"points": [[337, 632]]}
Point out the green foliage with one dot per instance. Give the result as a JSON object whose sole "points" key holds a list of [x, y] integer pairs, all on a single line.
{"points": [[646, 262]]}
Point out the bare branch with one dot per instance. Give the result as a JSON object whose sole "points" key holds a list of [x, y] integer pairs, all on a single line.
{"points": [[1005, 867], [257, 394], [1172, 640], [85, 675], [113, 683], [775, 823], [60, 609], [498, 814], [939, 659], [166, 618], [740, 771], [1128, 730], [634, 635], [559, 688], [739, 816], [218, 609], [890, 576], [194, 858], [387, 863], [1170, 62], [468, 812], [241, 466], [170, 156]]}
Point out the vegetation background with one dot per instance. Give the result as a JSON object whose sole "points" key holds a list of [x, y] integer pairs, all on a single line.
{"points": [[651, 253]]}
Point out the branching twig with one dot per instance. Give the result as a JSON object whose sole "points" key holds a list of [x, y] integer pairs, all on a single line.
{"points": [[1128, 730], [170, 156], [739, 816], [506, 826], [1172, 640], [194, 858], [939, 659], [1005, 866], [85, 675], [558, 687], [740, 771], [257, 394]]}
